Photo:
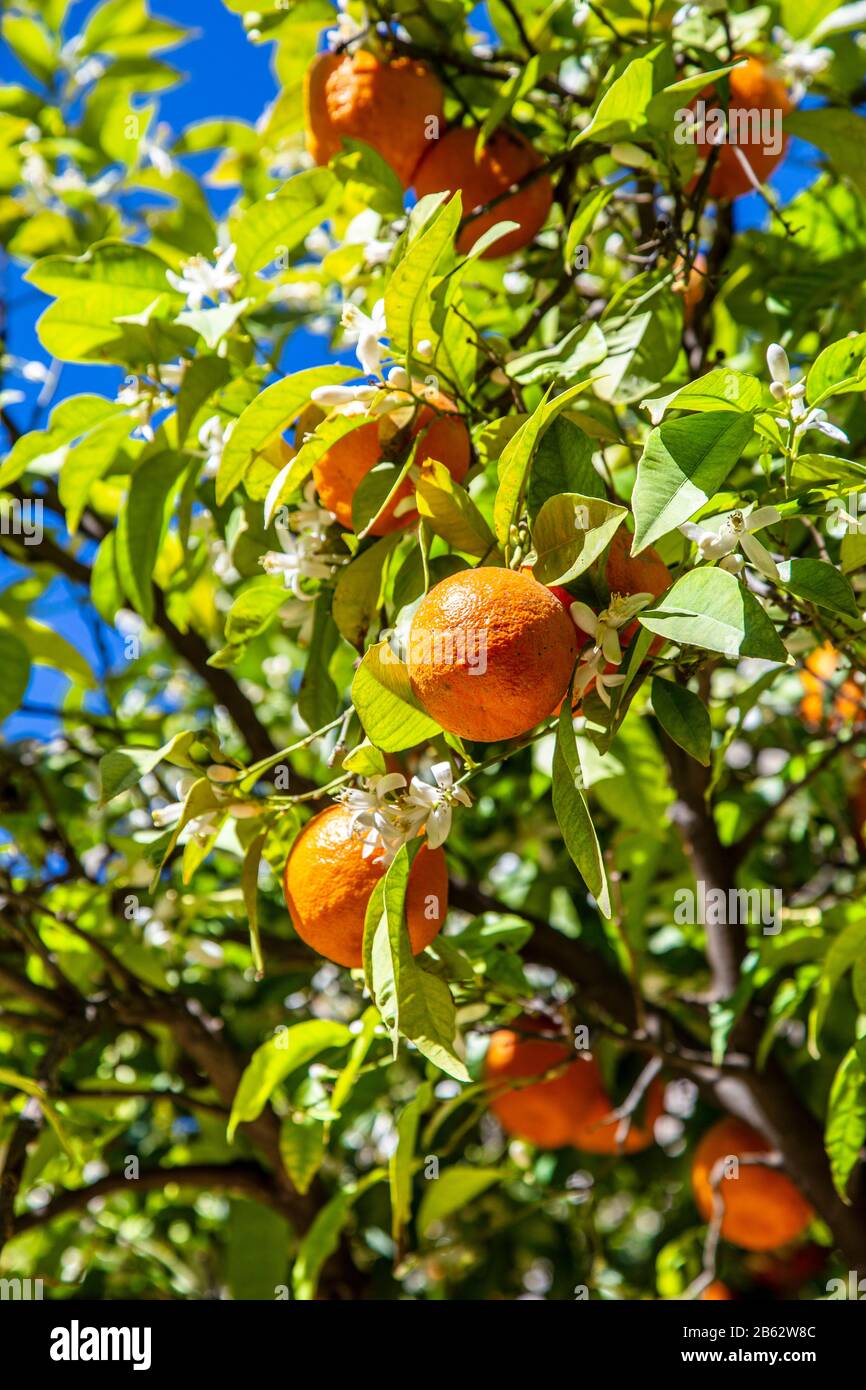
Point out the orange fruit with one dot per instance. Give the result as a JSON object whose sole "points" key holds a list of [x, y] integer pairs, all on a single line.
{"points": [[490, 653], [754, 94], [327, 884], [571, 1108], [339, 472], [790, 1270], [763, 1208], [625, 573], [507, 158], [847, 701], [396, 107], [715, 1292]]}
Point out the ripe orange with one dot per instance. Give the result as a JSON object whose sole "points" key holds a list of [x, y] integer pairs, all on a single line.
{"points": [[339, 472], [754, 96], [847, 701], [506, 159], [490, 653], [715, 1292], [624, 573], [571, 1108], [327, 883], [396, 107], [763, 1208]]}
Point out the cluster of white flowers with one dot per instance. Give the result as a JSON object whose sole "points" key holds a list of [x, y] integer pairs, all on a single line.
{"points": [[725, 535], [347, 30], [792, 394], [604, 629], [213, 437], [44, 189], [389, 821], [368, 329], [143, 399], [303, 550], [370, 400], [200, 280]]}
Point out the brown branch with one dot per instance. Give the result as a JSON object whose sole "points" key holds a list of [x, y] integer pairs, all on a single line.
{"points": [[245, 1179]]}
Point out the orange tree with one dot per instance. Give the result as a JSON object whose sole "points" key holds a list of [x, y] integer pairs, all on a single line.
{"points": [[479, 485]]}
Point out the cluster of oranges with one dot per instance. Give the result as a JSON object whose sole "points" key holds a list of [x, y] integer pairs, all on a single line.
{"points": [[539, 1089], [761, 1208], [529, 645], [396, 107]]}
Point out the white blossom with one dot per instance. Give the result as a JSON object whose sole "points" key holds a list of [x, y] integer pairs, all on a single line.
{"points": [[736, 530], [433, 806], [368, 329], [793, 394], [605, 626], [213, 437], [200, 280]]}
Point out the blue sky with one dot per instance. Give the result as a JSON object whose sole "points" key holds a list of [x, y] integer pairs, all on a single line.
{"points": [[226, 75]]}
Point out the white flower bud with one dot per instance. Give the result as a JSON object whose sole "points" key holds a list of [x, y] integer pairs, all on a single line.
{"points": [[777, 361]]}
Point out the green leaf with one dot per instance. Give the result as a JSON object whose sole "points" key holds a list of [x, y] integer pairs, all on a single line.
{"points": [[87, 462], [381, 693], [572, 813], [202, 377], [622, 109], [253, 611], [819, 583], [586, 212], [271, 1063], [302, 1148], [358, 591], [265, 418], [516, 460], [319, 1243], [582, 347], [838, 368], [318, 697], [721, 389], [661, 111], [276, 225], [844, 950], [452, 1191], [31, 45], [570, 532], [840, 133], [37, 1092], [708, 608], [212, 324], [45, 647], [401, 1162], [683, 464], [562, 463], [120, 266], [143, 523], [684, 718], [450, 511], [14, 672], [250, 890], [123, 768], [410, 284], [413, 1003], [845, 1130], [345, 1083], [257, 1251]]}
